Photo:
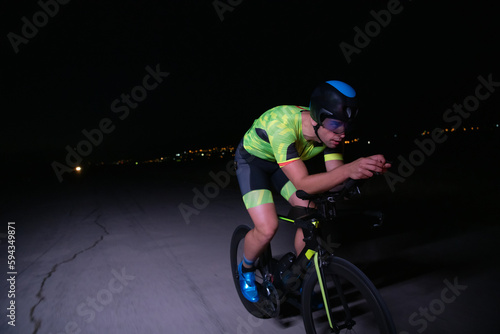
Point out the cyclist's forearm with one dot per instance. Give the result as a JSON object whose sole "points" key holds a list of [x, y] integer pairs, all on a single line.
{"points": [[321, 182]]}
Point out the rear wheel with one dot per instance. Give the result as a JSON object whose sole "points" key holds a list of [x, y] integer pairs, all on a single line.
{"points": [[268, 305], [355, 304]]}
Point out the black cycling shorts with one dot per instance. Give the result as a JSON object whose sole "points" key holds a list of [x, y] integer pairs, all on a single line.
{"points": [[257, 177]]}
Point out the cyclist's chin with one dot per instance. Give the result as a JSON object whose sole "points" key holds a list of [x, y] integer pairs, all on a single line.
{"points": [[333, 143]]}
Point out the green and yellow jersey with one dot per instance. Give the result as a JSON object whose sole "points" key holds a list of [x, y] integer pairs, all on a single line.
{"points": [[277, 136]]}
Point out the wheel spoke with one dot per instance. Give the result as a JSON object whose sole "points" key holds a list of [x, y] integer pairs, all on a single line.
{"points": [[355, 304]]}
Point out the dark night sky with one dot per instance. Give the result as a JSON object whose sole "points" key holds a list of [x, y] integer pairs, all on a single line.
{"points": [[223, 74]]}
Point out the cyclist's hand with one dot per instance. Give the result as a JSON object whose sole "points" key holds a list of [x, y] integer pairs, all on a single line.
{"points": [[364, 168], [380, 158]]}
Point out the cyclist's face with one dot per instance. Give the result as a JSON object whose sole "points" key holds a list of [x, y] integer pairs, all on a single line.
{"points": [[330, 138]]}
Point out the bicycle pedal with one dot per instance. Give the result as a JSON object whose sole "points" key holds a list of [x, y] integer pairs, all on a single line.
{"points": [[269, 303]]}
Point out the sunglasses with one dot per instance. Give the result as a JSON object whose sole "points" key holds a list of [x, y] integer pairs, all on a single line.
{"points": [[334, 125]]}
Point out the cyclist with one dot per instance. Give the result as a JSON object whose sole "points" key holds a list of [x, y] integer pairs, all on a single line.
{"points": [[271, 153]]}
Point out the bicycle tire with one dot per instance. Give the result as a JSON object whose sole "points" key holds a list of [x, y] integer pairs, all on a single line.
{"points": [[263, 309], [364, 302]]}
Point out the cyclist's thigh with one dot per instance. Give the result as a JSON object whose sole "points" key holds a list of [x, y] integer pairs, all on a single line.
{"points": [[287, 189], [282, 184], [254, 178]]}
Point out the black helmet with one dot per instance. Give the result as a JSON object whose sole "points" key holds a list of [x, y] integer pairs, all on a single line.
{"points": [[333, 99]]}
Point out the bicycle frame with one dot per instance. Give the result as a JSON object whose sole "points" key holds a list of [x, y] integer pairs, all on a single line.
{"points": [[316, 249], [310, 220]]}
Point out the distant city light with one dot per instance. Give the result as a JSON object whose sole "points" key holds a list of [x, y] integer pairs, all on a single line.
{"points": [[351, 141], [78, 169], [224, 152]]}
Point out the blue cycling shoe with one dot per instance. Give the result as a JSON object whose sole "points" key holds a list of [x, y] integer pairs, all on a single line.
{"points": [[247, 285]]}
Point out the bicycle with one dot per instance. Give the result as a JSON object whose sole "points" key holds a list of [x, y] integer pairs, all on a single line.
{"points": [[333, 295]]}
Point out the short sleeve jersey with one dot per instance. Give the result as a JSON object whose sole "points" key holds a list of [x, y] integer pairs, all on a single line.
{"points": [[277, 136]]}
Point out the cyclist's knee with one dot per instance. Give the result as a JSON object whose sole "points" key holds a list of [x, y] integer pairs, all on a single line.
{"points": [[266, 230], [265, 220]]}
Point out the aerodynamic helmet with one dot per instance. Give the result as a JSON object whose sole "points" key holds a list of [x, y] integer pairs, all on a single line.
{"points": [[333, 100]]}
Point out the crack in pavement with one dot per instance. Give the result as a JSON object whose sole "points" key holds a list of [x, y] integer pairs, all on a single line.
{"points": [[39, 295]]}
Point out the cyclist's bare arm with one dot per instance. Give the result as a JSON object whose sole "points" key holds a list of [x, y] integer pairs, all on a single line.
{"points": [[361, 168], [332, 164]]}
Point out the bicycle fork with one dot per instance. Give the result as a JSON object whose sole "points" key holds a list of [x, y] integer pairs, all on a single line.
{"points": [[326, 299]]}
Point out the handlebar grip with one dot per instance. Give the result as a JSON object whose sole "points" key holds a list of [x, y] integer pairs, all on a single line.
{"points": [[350, 183]]}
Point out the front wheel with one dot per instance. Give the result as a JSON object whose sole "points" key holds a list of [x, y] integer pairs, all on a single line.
{"points": [[269, 304], [355, 304]]}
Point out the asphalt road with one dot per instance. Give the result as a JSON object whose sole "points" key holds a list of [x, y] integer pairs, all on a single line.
{"points": [[114, 253]]}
